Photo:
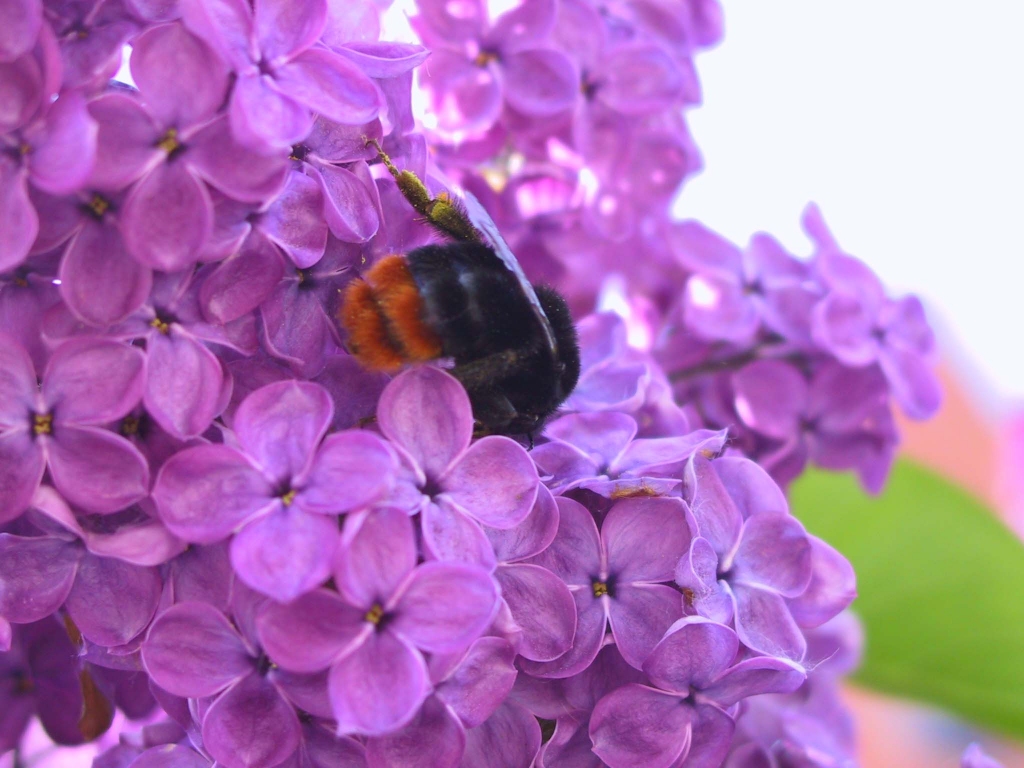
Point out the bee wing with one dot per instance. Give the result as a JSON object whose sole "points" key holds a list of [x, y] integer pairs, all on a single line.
{"points": [[483, 223]]}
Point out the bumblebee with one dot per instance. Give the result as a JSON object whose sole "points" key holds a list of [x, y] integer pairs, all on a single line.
{"points": [[513, 344]]}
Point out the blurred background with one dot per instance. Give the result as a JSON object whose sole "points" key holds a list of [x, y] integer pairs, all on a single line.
{"points": [[904, 121]]}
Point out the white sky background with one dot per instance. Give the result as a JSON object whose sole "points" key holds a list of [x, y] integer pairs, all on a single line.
{"points": [[904, 120]]}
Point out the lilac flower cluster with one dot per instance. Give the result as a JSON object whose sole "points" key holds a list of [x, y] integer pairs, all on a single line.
{"points": [[213, 519]]}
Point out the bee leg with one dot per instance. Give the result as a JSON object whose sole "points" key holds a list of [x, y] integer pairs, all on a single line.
{"points": [[493, 412], [442, 212]]}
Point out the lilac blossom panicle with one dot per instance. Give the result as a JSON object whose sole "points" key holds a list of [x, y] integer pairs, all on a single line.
{"points": [[217, 526]]}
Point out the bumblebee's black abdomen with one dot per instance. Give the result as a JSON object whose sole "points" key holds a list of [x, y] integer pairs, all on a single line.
{"points": [[471, 300]]}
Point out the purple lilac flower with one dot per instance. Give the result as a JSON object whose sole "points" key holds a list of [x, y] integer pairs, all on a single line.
{"points": [[278, 490], [170, 144], [476, 66], [373, 632], [193, 650], [840, 419], [741, 567], [694, 680], [106, 581], [283, 76], [456, 486], [20, 21], [26, 294], [88, 382], [617, 576], [91, 35]]}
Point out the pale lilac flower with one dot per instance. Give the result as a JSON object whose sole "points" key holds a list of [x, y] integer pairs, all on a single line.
{"points": [[278, 491], [975, 757], [456, 486], [87, 382], [694, 680], [283, 76], [618, 577], [374, 633], [20, 21], [91, 35]]}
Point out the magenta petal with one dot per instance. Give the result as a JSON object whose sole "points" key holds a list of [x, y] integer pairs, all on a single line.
{"points": [[531, 536], [146, 544], [843, 325], [542, 607], [192, 650], [712, 735], [450, 534], [640, 727], [832, 588], [97, 470], [286, 553], [280, 425], [378, 687], [509, 738], [309, 633], [167, 218], [295, 223], [495, 481], [591, 623], [206, 492], [774, 552], [170, 756], [21, 468], [332, 85], [764, 624], [225, 24], [183, 384], [717, 517], [240, 283], [181, 79], [101, 283], [464, 97], [36, 575], [263, 118], [427, 412], [18, 219], [639, 615], [751, 489], [296, 327], [434, 738], [718, 309], [575, 554], [63, 156], [378, 553], [284, 27], [251, 724], [540, 82], [348, 206], [445, 606], [351, 470], [771, 396], [755, 676], [126, 142], [479, 683], [640, 79], [645, 538], [915, 385], [18, 385], [691, 655], [19, 26], [240, 173], [113, 601], [91, 381]]}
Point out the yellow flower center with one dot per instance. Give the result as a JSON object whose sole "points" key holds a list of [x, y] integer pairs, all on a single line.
{"points": [[375, 614], [484, 58], [98, 206], [42, 424], [161, 325], [289, 497], [600, 588], [169, 142]]}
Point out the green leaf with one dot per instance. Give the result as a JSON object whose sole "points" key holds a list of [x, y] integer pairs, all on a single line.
{"points": [[941, 590]]}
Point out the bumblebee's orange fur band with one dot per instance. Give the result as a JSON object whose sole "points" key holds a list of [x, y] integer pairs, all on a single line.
{"points": [[382, 313]]}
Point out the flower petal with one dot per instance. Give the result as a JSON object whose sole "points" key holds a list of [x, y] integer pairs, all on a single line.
{"points": [[450, 534], [126, 145], [591, 623], [717, 518], [294, 221], [640, 727], [465, 98], [510, 737], [309, 633], [351, 470], [712, 736], [167, 218], [18, 385], [348, 206], [755, 676], [542, 607], [532, 536], [192, 650], [113, 601], [332, 85], [479, 683], [693, 653], [240, 283], [205, 492], [764, 624], [494, 481], [183, 384], [639, 615], [445, 606], [63, 156], [640, 79], [280, 425], [91, 381], [264, 119], [378, 687], [101, 283], [832, 588], [18, 218], [645, 538], [540, 82], [427, 412], [238, 172], [775, 553], [36, 575], [22, 463], [771, 396], [377, 554], [285, 27], [19, 21], [575, 553], [434, 738], [97, 470], [286, 553], [251, 724]]}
